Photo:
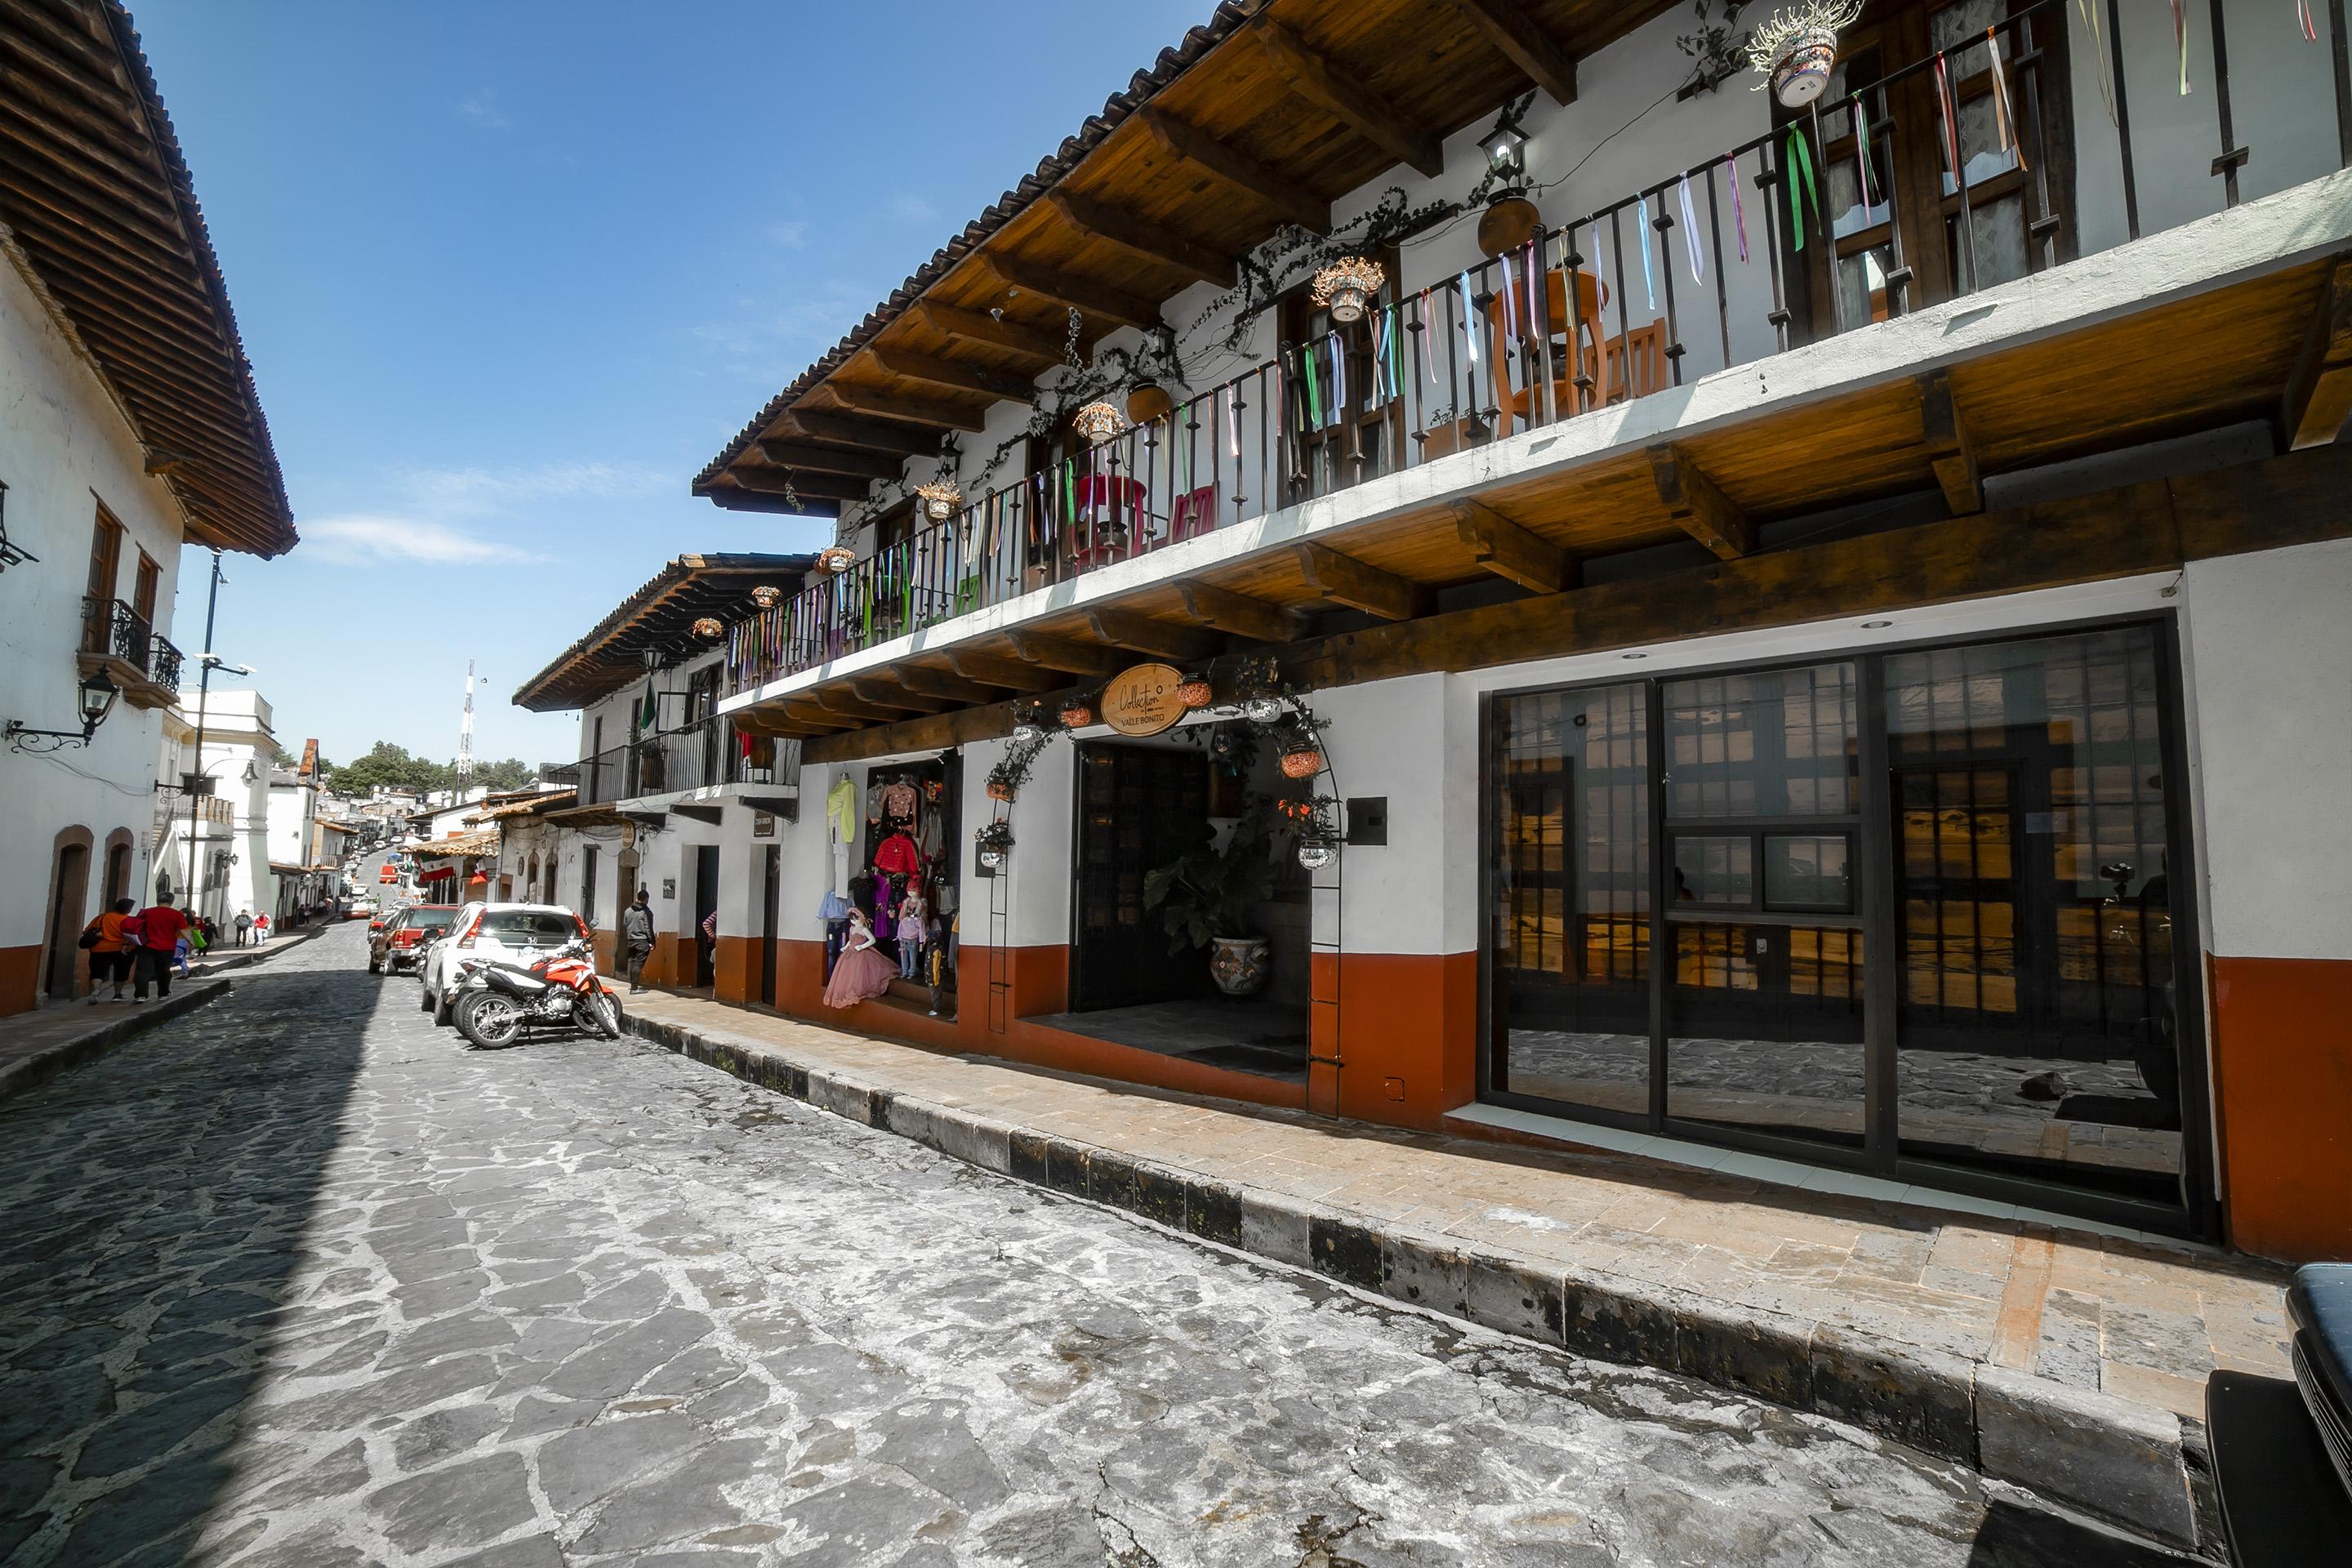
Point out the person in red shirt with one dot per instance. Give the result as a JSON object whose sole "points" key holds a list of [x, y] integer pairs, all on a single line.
{"points": [[159, 926]]}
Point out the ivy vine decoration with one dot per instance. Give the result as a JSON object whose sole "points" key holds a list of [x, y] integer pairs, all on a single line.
{"points": [[1030, 735], [1717, 46], [1295, 253]]}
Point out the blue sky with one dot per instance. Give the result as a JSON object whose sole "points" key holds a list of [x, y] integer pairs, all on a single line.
{"points": [[510, 274]]}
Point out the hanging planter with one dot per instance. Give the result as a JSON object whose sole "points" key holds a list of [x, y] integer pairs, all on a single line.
{"points": [[1147, 401], [1345, 287], [1098, 421], [941, 498], [1798, 49], [999, 790], [707, 628], [1302, 764], [835, 559], [1195, 694], [1076, 716], [767, 597], [995, 843], [1314, 854], [1509, 221]]}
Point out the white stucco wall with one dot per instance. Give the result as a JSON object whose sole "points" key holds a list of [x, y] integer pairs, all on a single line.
{"points": [[64, 448]]}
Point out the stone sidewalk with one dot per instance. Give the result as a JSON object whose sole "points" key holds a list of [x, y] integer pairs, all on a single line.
{"points": [[2068, 1361]]}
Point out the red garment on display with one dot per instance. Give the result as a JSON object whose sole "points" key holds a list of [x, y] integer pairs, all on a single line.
{"points": [[897, 856]]}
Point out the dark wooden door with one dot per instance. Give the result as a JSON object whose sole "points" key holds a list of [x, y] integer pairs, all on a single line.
{"points": [[772, 887], [1139, 807], [706, 902]]}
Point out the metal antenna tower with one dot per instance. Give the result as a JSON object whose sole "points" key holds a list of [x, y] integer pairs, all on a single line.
{"points": [[466, 734]]}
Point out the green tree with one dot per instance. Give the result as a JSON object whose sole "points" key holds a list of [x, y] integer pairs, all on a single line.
{"points": [[388, 766], [511, 772]]}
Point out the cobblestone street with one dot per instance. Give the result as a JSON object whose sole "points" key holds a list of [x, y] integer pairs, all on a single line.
{"points": [[296, 1280]]}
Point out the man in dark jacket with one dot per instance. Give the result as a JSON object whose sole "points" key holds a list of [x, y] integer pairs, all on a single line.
{"points": [[636, 940]]}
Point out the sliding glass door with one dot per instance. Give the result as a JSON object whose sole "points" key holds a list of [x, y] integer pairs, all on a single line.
{"points": [[1916, 909]]}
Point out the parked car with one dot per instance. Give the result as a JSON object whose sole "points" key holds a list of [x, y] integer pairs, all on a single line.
{"points": [[400, 944], [361, 908], [481, 931]]}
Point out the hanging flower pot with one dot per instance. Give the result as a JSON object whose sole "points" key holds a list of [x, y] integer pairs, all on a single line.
{"points": [[1345, 287], [1195, 694], [835, 559], [1098, 421], [1507, 224], [707, 628], [1314, 854], [1147, 401], [1077, 716], [992, 857], [767, 597], [1303, 764], [999, 790], [1263, 709], [941, 498], [1798, 49]]}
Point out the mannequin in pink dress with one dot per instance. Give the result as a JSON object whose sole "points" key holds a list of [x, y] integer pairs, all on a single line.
{"points": [[861, 972]]}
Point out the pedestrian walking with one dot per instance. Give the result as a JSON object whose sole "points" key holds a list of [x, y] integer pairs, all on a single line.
{"points": [[109, 942], [159, 925], [244, 927], [636, 940], [261, 928]]}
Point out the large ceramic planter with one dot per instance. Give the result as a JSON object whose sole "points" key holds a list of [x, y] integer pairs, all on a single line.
{"points": [[1240, 965], [1803, 70]]}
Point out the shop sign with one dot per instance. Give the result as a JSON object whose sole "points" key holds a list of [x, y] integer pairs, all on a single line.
{"points": [[1141, 699], [764, 825]]}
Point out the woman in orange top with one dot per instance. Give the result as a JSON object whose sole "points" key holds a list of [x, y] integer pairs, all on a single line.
{"points": [[110, 956]]}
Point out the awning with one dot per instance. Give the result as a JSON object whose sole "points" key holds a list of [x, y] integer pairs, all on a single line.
{"points": [[435, 874]]}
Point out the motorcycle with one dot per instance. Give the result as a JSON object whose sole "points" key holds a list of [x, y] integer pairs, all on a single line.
{"points": [[497, 1001]]}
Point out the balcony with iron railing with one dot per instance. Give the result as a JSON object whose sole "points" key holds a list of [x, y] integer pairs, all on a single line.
{"points": [[1809, 232], [119, 639], [706, 756]]}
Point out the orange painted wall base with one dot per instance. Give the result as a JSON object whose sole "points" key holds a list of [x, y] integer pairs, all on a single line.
{"points": [[20, 978], [2282, 1084]]}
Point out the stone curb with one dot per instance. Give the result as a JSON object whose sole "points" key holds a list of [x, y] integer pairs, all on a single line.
{"points": [[18, 1076], [2131, 1465]]}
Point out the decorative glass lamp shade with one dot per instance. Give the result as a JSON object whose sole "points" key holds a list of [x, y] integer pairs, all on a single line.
{"points": [[1345, 287], [1506, 150], [992, 857], [1147, 401], [1315, 852], [941, 498], [1195, 694], [708, 628], [767, 597], [1077, 716], [1304, 763], [835, 559], [1263, 709], [1027, 734], [1098, 421]]}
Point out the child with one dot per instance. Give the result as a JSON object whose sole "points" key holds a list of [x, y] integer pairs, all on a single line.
{"points": [[912, 929], [861, 972]]}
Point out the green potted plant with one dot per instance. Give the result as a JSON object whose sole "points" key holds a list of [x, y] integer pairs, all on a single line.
{"points": [[1204, 900]]}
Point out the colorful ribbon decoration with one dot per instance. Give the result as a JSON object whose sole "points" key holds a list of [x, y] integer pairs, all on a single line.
{"points": [[2180, 37], [1338, 376], [1234, 418], [1642, 222], [1738, 214], [1951, 129], [2089, 11], [2303, 16], [1862, 154], [2004, 115], [1798, 166], [1314, 393], [1510, 305], [1539, 297], [1690, 232], [1469, 334], [1396, 357]]}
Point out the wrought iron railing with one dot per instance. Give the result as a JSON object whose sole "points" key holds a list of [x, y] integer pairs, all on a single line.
{"points": [[1790, 238], [693, 756], [112, 628]]}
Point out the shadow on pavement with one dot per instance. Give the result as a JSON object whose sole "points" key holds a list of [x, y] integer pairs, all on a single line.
{"points": [[2016, 1537], [151, 1212]]}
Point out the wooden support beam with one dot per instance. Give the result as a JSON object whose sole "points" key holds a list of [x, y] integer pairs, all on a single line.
{"points": [[1344, 580], [811, 716], [877, 435], [1355, 105], [1949, 450], [2319, 392], [1239, 614], [883, 693], [1084, 295], [948, 373], [817, 485], [1521, 40], [932, 682], [1075, 657], [725, 494], [834, 701], [914, 410], [1291, 201], [1127, 629], [801, 457], [980, 327], [1508, 551], [995, 669], [1143, 238], [1693, 501]]}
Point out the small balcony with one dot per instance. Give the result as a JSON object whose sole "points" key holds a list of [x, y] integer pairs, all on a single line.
{"points": [[118, 640], [1978, 165], [693, 769]]}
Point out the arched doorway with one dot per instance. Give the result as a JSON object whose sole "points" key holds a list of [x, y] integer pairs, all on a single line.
{"points": [[116, 884], [69, 912]]}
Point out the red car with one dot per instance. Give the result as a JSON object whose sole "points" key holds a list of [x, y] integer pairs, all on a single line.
{"points": [[400, 944]]}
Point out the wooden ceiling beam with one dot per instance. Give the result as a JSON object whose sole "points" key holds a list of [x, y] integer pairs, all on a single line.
{"points": [[833, 699], [1517, 36], [995, 669], [1291, 201], [820, 424], [1344, 580], [799, 456], [1950, 452], [1140, 633], [1355, 105], [980, 327], [1511, 551], [952, 373], [914, 410], [815, 717], [1072, 657], [1242, 615], [881, 693], [2319, 391], [822, 485], [1696, 502], [1143, 238], [724, 493], [932, 682], [1088, 298]]}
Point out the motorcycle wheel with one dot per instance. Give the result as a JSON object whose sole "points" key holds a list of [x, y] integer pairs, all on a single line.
{"points": [[601, 1013], [490, 1019]]}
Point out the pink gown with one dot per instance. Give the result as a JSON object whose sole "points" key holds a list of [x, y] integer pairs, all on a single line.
{"points": [[860, 972]]}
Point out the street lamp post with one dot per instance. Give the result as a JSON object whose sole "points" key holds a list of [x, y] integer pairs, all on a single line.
{"points": [[203, 688]]}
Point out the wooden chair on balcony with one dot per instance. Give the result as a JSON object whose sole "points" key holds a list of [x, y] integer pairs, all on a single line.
{"points": [[1631, 364]]}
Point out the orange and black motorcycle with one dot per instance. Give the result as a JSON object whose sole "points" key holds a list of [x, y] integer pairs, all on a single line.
{"points": [[498, 1001]]}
